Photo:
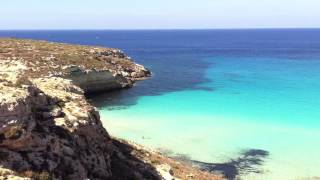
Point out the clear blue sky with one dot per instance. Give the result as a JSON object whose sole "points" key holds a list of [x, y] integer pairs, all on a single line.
{"points": [[160, 14]]}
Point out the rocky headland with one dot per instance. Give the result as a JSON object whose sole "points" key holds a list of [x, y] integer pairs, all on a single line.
{"points": [[48, 130]]}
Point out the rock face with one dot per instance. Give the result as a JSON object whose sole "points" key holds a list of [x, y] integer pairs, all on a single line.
{"points": [[95, 81], [47, 128]]}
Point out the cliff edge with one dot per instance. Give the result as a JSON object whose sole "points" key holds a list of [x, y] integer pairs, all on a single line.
{"points": [[47, 128]]}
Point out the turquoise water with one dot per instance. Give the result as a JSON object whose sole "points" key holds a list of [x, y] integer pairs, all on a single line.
{"points": [[245, 101], [251, 103]]}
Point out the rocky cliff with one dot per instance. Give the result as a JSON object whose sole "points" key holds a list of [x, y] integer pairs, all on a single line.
{"points": [[47, 128], [92, 68]]}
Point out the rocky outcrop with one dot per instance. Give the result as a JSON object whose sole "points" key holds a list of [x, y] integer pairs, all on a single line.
{"points": [[47, 128], [50, 128], [92, 68], [95, 81]]}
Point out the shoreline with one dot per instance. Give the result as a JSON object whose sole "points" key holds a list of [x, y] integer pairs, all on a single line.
{"points": [[168, 167]]}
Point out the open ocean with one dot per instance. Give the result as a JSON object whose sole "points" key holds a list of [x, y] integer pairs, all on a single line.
{"points": [[245, 102]]}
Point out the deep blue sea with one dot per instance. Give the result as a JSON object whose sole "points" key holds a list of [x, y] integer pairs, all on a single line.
{"points": [[247, 102]]}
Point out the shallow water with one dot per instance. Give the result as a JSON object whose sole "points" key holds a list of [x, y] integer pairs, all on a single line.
{"points": [[245, 100], [255, 103]]}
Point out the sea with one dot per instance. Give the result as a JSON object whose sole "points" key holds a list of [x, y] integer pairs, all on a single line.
{"points": [[244, 103]]}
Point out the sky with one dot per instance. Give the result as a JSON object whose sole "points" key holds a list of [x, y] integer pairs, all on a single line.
{"points": [[160, 14]]}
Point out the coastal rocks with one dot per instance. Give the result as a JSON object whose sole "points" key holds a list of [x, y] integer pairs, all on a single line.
{"points": [[77, 147], [48, 130], [94, 81], [94, 69]]}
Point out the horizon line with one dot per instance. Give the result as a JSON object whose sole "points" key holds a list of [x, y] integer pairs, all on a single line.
{"points": [[164, 29]]}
